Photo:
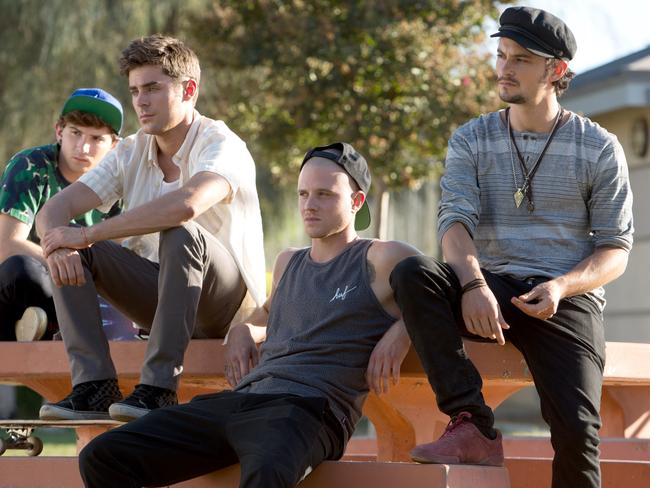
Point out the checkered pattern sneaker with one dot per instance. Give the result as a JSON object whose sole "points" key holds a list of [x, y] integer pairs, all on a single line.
{"points": [[143, 399], [87, 401]]}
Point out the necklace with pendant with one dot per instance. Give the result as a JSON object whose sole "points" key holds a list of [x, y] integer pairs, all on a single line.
{"points": [[526, 189]]}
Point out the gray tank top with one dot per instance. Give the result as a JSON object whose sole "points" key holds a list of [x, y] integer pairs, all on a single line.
{"points": [[324, 323]]}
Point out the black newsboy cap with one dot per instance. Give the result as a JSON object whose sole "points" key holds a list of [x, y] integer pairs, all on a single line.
{"points": [[538, 31]]}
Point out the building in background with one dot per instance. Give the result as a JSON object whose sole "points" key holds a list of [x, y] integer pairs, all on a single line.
{"points": [[616, 95]]}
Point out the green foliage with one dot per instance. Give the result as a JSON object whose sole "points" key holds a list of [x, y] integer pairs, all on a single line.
{"points": [[393, 77], [51, 47]]}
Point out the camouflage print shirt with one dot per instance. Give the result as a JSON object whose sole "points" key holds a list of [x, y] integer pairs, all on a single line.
{"points": [[30, 179]]}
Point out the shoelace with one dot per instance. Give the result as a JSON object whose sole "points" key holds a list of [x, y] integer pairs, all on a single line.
{"points": [[456, 422], [79, 390], [142, 391]]}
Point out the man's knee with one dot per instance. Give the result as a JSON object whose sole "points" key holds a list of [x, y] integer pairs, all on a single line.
{"points": [[177, 237], [411, 272], [17, 268], [90, 456]]}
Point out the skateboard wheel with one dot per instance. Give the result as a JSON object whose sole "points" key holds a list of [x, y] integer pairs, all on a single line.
{"points": [[3, 446], [37, 445]]}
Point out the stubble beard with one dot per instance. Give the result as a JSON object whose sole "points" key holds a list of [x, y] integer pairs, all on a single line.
{"points": [[513, 99]]}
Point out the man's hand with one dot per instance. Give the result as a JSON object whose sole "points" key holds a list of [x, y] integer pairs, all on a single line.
{"points": [[241, 354], [542, 301], [68, 237], [65, 267], [482, 314], [386, 358]]}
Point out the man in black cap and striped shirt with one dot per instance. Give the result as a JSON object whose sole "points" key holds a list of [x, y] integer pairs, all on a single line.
{"points": [[535, 217]]}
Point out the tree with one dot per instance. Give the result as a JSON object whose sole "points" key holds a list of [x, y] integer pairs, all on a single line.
{"points": [[51, 47], [393, 77]]}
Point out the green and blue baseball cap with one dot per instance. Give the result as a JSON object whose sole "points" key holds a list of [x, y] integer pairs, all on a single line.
{"points": [[97, 102]]}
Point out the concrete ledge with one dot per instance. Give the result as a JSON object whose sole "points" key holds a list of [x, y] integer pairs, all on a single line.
{"points": [[611, 448], [536, 473], [56, 472]]}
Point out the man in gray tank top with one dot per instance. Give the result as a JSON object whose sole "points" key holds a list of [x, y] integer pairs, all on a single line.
{"points": [[331, 329]]}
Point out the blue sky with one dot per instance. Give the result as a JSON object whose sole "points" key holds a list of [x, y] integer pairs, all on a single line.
{"points": [[604, 29]]}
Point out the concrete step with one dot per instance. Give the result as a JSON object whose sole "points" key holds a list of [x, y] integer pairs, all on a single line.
{"points": [[536, 473], [57, 472], [611, 448]]}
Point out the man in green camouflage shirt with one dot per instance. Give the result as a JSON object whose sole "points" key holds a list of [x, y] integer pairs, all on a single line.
{"points": [[86, 131]]}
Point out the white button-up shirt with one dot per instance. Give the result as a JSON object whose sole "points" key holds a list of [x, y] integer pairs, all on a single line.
{"points": [[131, 172]]}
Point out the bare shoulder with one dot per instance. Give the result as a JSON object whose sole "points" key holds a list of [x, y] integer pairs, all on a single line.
{"points": [[281, 262], [386, 254]]}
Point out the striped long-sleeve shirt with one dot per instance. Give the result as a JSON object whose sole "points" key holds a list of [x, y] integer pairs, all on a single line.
{"points": [[581, 193]]}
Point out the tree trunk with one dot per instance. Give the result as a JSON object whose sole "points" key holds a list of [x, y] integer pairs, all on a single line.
{"points": [[380, 212]]}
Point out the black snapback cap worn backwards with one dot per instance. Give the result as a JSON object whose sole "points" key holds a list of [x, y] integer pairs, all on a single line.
{"points": [[355, 165], [538, 31]]}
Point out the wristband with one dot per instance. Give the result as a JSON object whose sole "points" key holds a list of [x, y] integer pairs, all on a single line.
{"points": [[471, 285], [83, 234]]}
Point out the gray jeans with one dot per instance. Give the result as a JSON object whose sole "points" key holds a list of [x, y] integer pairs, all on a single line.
{"points": [[194, 292]]}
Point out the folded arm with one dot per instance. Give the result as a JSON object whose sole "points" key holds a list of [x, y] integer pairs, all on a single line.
{"points": [[14, 241], [201, 192]]}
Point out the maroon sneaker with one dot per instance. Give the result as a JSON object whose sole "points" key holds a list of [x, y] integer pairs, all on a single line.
{"points": [[462, 443]]}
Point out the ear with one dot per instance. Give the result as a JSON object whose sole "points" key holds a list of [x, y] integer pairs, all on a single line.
{"points": [[58, 132], [559, 70], [358, 198], [191, 90]]}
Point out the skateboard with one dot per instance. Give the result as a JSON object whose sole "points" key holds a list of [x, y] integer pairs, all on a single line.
{"points": [[20, 432]]}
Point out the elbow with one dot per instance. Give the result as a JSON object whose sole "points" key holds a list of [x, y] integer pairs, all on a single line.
{"points": [[623, 260], [187, 212]]}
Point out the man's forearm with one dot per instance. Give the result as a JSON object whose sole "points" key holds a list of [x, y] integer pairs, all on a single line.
{"points": [[256, 323], [201, 192], [460, 253], [14, 247], [53, 214], [160, 214], [603, 266]]}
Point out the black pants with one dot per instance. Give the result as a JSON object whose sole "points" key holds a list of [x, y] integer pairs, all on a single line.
{"points": [[276, 438], [24, 282], [565, 355]]}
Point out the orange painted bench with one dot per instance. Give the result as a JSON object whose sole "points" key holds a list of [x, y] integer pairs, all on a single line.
{"points": [[405, 416], [43, 367]]}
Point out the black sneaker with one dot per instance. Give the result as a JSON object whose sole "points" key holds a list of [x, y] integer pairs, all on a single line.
{"points": [[88, 401], [143, 399]]}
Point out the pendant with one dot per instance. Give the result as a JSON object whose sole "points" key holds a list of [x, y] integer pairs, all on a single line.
{"points": [[519, 197], [531, 206]]}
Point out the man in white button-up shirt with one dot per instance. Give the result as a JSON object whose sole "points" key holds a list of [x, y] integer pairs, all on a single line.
{"points": [[192, 254]]}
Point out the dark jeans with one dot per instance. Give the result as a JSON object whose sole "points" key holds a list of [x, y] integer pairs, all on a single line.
{"points": [[24, 282], [276, 438], [565, 355]]}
